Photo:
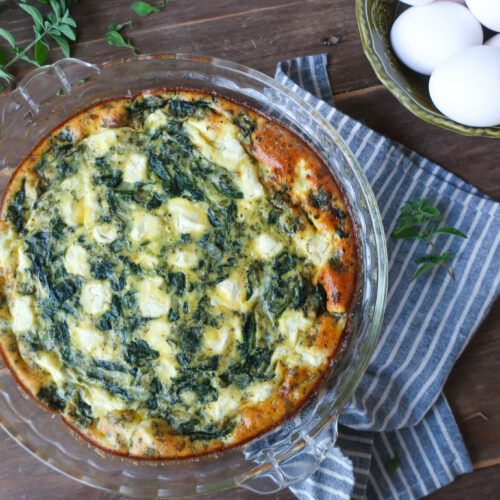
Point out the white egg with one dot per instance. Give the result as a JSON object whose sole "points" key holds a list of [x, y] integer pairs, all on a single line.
{"points": [[423, 37], [494, 40], [465, 86], [416, 2], [487, 12]]}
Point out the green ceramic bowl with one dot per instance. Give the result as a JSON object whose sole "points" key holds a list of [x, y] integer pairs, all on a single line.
{"points": [[375, 18]]}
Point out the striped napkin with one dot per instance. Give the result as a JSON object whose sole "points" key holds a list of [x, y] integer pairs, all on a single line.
{"points": [[398, 438]]}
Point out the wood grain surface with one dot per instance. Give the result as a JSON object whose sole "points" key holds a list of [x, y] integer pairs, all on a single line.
{"points": [[260, 33]]}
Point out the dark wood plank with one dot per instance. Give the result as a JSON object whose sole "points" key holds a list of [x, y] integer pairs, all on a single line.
{"points": [[482, 484], [256, 33], [22, 477], [260, 33], [472, 390]]}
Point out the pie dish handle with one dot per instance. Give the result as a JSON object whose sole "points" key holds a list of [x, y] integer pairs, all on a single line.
{"points": [[277, 473], [38, 88]]}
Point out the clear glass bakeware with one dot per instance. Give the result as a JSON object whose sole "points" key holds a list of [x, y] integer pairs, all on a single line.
{"points": [[287, 454]]}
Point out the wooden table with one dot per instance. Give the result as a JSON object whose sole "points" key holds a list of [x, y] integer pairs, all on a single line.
{"points": [[259, 33]]}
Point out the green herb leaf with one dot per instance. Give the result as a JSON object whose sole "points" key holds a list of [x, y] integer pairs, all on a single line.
{"points": [[26, 58], [68, 20], [118, 27], [34, 13], [394, 464], [7, 36], [144, 8], [67, 31], [431, 210], [404, 232], [55, 7], [428, 259], [423, 269], [63, 44], [113, 37], [446, 256], [40, 53], [450, 230], [435, 259], [5, 75]]}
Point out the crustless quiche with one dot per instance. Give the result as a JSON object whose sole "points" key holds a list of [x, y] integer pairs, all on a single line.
{"points": [[176, 273]]}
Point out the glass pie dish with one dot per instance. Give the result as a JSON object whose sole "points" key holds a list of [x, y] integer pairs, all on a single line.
{"points": [[287, 454]]}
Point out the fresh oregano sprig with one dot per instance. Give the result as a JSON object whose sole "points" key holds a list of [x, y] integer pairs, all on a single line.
{"points": [[57, 25], [419, 219]]}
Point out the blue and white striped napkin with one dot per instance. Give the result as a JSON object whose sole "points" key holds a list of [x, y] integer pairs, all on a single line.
{"points": [[399, 410]]}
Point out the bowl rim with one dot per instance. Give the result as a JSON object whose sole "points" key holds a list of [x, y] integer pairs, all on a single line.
{"points": [[402, 94], [376, 220]]}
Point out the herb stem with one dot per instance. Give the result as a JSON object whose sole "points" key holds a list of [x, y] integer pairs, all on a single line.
{"points": [[30, 46], [24, 51], [436, 251]]}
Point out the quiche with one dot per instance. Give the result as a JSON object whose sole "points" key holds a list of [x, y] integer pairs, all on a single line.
{"points": [[176, 273]]}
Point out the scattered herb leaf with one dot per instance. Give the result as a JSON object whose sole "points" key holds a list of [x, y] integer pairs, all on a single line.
{"points": [[394, 464], [144, 8], [114, 37]]}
